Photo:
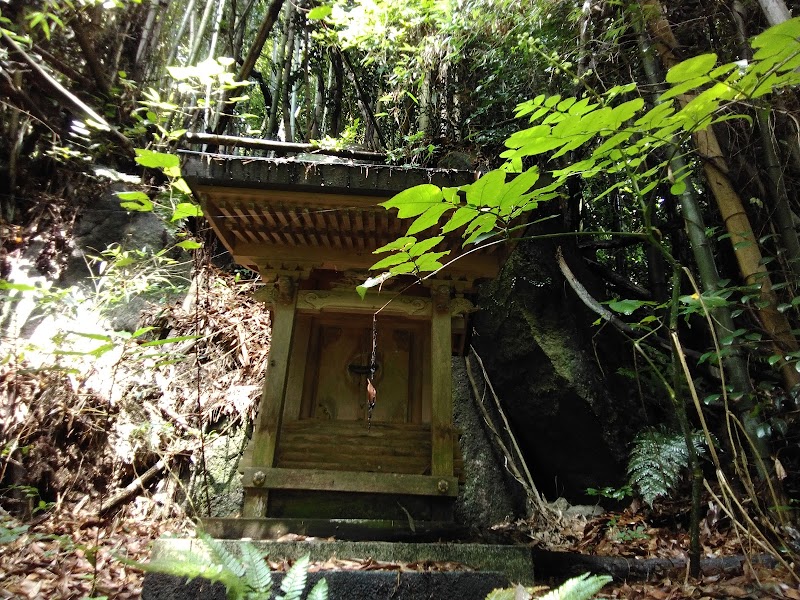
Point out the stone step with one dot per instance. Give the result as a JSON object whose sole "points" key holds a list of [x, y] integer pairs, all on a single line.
{"points": [[485, 567], [348, 585]]}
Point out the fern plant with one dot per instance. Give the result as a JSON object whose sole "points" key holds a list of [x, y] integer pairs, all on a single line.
{"points": [[658, 460], [582, 587], [245, 578]]}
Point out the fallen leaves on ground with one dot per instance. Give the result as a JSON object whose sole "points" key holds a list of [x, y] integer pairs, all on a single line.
{"points": [[71, 554]]}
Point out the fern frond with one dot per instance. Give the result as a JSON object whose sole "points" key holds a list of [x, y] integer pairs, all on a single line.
{"points": [[658, 460], [319, 591], [257, 574], [295, 581], [512, 593], [221, 555], [191, 565], [582, 587]]}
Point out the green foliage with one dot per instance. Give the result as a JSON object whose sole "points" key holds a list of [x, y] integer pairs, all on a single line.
{"points": [[582, 587], [610, 492], [618, 137], [246, 577], [10, 529], [127, 273], [658, 460]]}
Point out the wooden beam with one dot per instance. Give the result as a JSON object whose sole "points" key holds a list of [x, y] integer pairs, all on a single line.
{"points": [[267, 427], [472, 266], [342, 529], [297, 370], [441, 384], [349, 481], [344, 301], [297, 198]]}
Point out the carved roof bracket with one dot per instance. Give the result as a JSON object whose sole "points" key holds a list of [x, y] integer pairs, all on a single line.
{"points": [[282, 291]]}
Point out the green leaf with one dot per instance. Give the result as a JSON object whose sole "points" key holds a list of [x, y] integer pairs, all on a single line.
{"points": [[626, 307], [479, 226], [422, 247], [141, 331], [461, 217], [319, 12], [257, 572], [156, 160], [189, 245], [172, 340], [512, 192], [582, 587], [391, 260], [181, 186], [403, 269], [319, 591], [20, 287], [485, 191], [678, 188], [691, 68], [135, 201], [429, 218], [401, 244], [430, 261], [415, 201], [186, 209]]}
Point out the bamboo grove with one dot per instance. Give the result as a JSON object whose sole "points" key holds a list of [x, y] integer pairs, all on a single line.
{"points": [[700, 229]]}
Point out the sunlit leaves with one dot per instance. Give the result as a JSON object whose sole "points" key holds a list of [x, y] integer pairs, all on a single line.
{"points": [[319, 12], [691, 68], [135, 201], [612, 133], [186, 209], [415, 201], [156, 160]]}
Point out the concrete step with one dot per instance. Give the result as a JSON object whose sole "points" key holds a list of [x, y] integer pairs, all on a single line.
{"points": [[348, 585], [486, 567]]}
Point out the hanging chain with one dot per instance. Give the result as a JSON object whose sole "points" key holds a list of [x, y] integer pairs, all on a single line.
{"points": [[373, 367]]}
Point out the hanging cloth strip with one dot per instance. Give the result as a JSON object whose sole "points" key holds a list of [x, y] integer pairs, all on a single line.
{"points": [[372, 392]]}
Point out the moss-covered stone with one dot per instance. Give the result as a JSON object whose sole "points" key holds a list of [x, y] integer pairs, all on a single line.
{"points": [[574, 416], [218, 491]]}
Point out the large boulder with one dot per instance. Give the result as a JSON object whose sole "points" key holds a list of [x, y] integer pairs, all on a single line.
{"points": [[557, 377]]}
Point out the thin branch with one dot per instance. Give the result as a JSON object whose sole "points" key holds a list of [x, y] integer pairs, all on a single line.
{"points": [[606, 314]]}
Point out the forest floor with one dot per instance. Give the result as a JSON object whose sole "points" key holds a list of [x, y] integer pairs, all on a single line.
{"points": [[69, 552], [73, 446]]}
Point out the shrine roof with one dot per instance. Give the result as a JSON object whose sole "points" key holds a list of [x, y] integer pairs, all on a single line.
{"points": [[312, 211]]}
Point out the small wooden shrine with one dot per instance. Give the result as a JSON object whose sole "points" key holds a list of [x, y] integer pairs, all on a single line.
{"points": [[319, 450]]}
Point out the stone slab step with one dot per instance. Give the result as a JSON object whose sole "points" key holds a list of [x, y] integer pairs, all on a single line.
{"points": [[348, 585]]}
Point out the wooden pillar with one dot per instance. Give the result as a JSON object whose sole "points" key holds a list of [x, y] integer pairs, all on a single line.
{"points": [[268, 423], [441, 383]]}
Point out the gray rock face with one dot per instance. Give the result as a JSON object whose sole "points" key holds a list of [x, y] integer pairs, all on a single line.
{"points": [[106, 223], [573, 416], [487, 496]]}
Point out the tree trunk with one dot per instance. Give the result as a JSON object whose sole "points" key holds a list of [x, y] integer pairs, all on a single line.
{"points": [[272, 126], [197, 41], [252, 56], [90, 56], [179, 35], [775, 11], [375, 140], [745, 244], [335, 93], [286, 107], [212, 48]]}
